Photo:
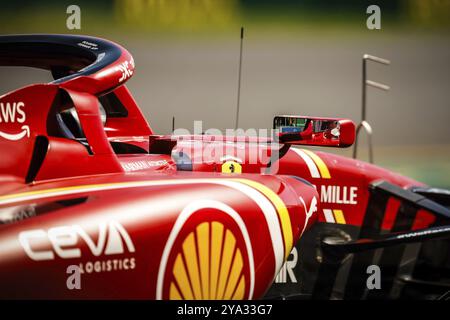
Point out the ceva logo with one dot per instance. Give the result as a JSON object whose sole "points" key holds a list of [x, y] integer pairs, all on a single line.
{"points": [[13, 113], [65, 241]]}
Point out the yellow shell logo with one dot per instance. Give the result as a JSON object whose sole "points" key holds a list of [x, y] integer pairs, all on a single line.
{"points": [[210, 269], [208, 255]]}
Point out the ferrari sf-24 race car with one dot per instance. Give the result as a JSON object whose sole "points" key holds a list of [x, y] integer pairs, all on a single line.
{"points": [[86, 185]]}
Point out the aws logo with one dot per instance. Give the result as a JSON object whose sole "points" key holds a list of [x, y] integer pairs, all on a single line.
{"points": [[13, 113], [207, 256]]}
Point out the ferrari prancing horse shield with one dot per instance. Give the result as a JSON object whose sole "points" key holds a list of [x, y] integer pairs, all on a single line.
{"points": [[209, 259]]}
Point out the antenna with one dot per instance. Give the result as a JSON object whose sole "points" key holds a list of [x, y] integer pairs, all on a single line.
{"points": [[239, 80], [173, 124]]}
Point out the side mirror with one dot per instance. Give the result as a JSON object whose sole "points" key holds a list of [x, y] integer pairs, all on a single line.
{"points": [[326, 132]]}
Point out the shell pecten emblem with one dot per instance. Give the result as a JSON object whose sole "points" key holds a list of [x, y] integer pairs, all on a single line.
{"points": [[213, 274], [210, 258]]}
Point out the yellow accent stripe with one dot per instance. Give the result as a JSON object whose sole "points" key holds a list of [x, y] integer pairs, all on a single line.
{"points": [[47, 191], [111, 186], [283, 213], [96, 187], [320, 164], [339, 215]]}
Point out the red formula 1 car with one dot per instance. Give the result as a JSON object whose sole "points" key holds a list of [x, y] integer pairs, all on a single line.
{"points": [[87, 187]]}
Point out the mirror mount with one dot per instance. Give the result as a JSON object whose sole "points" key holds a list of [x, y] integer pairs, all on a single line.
{"points": [[314, 131]]}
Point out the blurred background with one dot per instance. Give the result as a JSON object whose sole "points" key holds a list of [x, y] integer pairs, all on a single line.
{"points": [[299, 57]]}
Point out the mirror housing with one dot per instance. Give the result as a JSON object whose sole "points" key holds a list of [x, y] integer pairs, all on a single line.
{"points": [[313, 131]]}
